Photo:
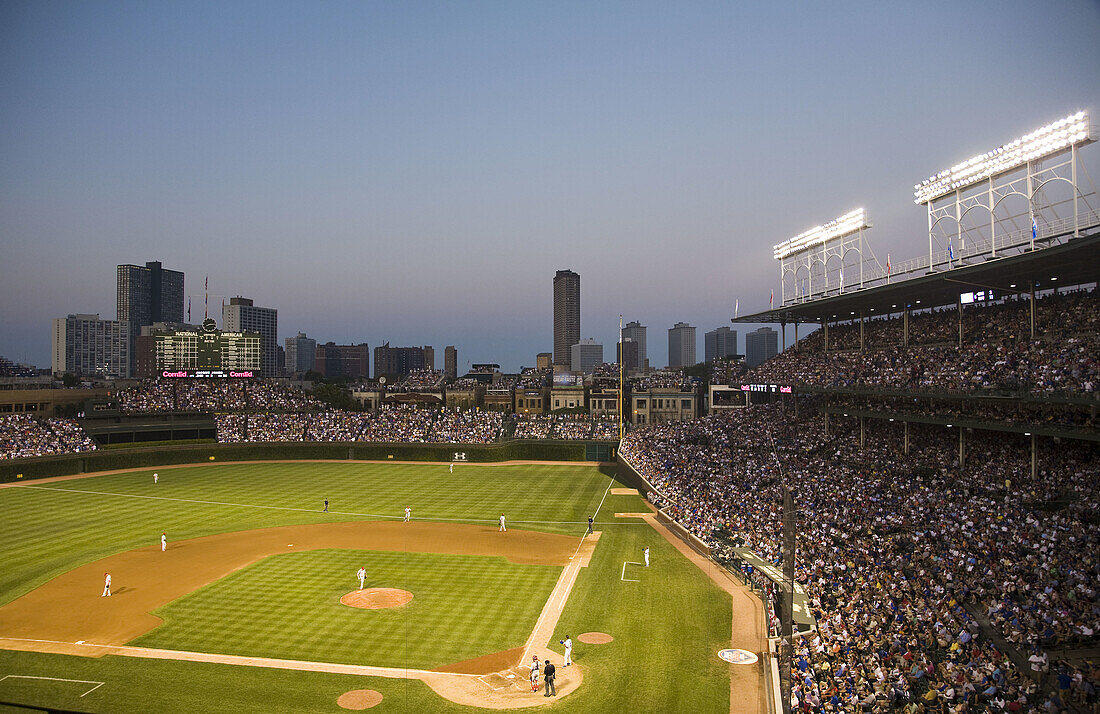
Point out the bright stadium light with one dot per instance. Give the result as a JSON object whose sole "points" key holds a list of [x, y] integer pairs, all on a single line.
{"points": [[1050, 139], [845, 225]]}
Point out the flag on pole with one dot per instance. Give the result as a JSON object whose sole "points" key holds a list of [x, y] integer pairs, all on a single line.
{"points": [[1034, 228], [771, 299], [736, 307], [189, 308], [887, 263], [950, 250]]}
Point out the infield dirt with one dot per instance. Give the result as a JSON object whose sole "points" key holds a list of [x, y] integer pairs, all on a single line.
{"points": [[69, 607]]}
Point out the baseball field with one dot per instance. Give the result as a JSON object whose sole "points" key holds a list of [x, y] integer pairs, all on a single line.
{"points": [[255, 606]]}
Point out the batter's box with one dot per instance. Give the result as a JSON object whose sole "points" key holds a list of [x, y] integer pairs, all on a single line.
{"points": [[497, 680]]}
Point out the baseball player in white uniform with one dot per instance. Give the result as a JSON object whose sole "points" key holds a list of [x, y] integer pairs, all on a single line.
{"points": [[452, 468], [163, 542], [502, 528], [646, 554], [408, 513], [106, 585], [362, 575], [156, 477], [568, 650]]}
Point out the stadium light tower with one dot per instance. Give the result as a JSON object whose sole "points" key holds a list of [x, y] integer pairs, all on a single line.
{"points": [[1012, 171], [812, 263]]}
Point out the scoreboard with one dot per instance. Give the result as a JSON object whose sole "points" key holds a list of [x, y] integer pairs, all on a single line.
{"points": [[208, 353]]}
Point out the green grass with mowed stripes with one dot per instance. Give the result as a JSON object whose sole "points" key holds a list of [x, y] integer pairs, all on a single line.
{"points": [[288, 606], [668, 626]]}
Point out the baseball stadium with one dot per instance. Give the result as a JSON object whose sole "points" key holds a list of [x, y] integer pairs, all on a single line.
{"points": [[899, 513]]}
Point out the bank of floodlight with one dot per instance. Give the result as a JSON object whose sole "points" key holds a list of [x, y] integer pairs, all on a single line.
{"points": [[1047, 140], [847, 224]]}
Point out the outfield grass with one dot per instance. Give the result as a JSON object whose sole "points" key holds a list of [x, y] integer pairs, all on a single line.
{"points": [[288, 607], [49, 529], [668, 626]]}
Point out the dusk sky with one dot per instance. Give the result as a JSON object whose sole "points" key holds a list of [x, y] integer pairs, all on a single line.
{"points": [[416, 172]]}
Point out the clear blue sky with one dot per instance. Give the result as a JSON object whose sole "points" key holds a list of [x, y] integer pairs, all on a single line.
{"points": [[416, 172]]}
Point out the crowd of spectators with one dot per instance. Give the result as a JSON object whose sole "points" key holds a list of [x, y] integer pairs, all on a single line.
{"points": [[23, 436], [398, 423], [214, 395], [901, 556], [997, 352], [418, 380], [1009, 412], [662, 379]]}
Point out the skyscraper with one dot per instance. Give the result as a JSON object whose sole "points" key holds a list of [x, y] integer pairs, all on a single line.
{"points": [[760, 346], [147, 294], [84, 344], [301, 354], [450, 362], [720, 344], [399, 361], [567, 315], [636, 332], [241, 315], [627, 353], [585, 355], [681, 345]]}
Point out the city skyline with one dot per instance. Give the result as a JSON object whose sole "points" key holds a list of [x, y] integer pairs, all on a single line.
{"points": [[413, 174]]}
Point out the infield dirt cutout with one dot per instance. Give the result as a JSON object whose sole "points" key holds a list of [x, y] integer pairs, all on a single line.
{"points": [[376, 598], [360, 699]]}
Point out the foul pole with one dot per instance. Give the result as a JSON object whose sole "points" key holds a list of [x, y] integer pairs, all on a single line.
{"points": [[620, 381]]}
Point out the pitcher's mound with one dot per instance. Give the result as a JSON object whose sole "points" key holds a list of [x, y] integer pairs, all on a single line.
{"points": [[595, 638], [359, 699], [376, 598]]}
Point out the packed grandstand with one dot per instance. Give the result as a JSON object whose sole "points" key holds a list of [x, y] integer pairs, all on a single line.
{"points": [[940, 577]]}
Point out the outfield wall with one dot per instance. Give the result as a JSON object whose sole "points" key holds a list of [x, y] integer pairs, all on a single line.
{"points": [[109, 460]]}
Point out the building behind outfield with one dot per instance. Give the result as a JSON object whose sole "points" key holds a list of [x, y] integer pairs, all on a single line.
{"points": [[567, 316], [399, 361], [241, 315], [86, 345], [681, 345], [719, 344], [333, 360], [760, 346], [145, 295], [301, 354]]}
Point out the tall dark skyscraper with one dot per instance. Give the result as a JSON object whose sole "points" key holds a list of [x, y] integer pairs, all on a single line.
{"points": [[146, 295], [567, 315]]}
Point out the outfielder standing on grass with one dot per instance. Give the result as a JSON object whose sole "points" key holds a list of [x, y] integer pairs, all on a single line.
{"points": [[163, 542], [568, 650], [408, 513], [646, 554], [362, 575]]}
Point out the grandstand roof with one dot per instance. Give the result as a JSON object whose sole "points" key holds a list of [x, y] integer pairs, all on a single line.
{"points": [[1074, 262]]}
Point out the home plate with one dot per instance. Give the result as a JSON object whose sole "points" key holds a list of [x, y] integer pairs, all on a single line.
{"points": [[79, 642], [289, 545]]}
